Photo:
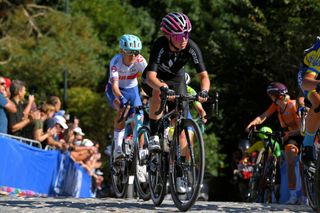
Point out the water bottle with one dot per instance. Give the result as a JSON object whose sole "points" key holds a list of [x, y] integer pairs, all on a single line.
{"points": [[166, 139], [171, 131]]}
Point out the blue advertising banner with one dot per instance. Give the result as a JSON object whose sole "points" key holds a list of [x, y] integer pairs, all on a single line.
{"points": [[46, 172]]}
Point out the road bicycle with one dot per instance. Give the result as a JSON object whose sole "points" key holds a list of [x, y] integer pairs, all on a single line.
{"points": [[134, 160], [311, 177], [174, 162], [262, 183], [310, 173], [315, 203]]}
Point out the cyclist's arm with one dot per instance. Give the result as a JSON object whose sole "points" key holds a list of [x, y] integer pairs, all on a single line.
{"points": [[309, 82], [114, 77], [153, 81], [257, 146], [153, 64], [200, 109], [261, 118], [204, 80], [196, 55], [116, 89]]}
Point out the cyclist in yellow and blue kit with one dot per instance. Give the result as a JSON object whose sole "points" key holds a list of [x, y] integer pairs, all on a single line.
{"points": [[307, 80]]}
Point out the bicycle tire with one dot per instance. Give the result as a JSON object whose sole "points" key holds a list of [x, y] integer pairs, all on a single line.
{"points": [[119, 177], [254, 184], [317, 181], [268, 177], [142, 187], [267, 195], [309, 183], [157, 177], [193, 170]]}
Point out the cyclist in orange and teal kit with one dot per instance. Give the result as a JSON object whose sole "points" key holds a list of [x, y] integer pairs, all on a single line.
{"points": [[290, 121], [307, 80]]}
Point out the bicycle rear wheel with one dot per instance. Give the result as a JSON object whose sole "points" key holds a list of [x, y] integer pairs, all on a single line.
{"points": [[141, 183], [317, 181], [309, 174], [186, 165], [119, 176]]}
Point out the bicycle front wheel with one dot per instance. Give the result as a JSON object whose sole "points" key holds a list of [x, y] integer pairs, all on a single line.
{"points": [[317, 181], [187, 162], [141, 176], [157, 173], [119, 176], [309, 182]]}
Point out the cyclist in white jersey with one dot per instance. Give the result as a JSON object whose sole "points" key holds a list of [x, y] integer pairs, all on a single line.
{"points": [[123, 84]]}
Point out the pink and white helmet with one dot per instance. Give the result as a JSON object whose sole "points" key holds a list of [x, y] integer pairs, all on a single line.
{"points": [[175, 23]]}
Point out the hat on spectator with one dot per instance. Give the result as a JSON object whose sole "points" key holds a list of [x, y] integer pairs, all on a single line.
{"points": [[87, 142], [60, 120], [78, 130], [8, 82]]}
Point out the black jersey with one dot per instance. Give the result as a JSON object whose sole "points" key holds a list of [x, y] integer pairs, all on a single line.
{"points": [[169, 64]]}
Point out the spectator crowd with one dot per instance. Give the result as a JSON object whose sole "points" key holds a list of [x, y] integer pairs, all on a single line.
{"points": [[48, 124]]}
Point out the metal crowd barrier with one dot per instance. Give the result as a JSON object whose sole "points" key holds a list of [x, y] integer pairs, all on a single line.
{"points": [[28, 141]]}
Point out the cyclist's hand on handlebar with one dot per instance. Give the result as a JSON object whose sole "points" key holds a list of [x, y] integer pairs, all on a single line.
{"points": [[203, 96], [203, 116], [123, 101], [168, 92], [250, 126]]}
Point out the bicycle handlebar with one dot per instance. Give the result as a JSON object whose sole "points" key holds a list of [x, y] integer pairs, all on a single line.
{"points": [[125, 112], [179, 98], [278, 135]]}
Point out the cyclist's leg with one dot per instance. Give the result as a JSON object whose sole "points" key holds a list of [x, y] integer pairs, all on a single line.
{"points": [[119, 130], [154, 104], [312, 125], [183, 142], [291, 151], [179, 85]]}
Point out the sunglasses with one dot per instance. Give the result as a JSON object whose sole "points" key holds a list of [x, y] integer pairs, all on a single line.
{"points": [[132, 52], [179, 37]]}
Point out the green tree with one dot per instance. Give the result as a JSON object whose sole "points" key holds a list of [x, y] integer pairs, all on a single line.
{"points": [[39, 43], [94, 115], [112, 19]]}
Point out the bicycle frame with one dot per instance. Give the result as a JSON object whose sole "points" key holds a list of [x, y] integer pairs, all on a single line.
{"points": [[137, 120], [269, 165], [177, 113]]}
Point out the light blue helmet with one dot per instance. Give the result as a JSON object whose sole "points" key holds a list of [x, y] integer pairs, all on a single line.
{"points": [[130, 42]]}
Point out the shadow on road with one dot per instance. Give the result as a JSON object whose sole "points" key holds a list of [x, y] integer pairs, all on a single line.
{"points": [[100, 205]]}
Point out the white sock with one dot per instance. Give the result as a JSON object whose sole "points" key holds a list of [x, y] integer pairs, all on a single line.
{"points": [[118, 138]]}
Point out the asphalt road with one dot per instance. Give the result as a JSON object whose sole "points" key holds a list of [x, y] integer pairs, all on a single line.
{"points": [[73, 205]]}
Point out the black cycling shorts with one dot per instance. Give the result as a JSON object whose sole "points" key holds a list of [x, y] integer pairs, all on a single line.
{"points": [[178, 84]]}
